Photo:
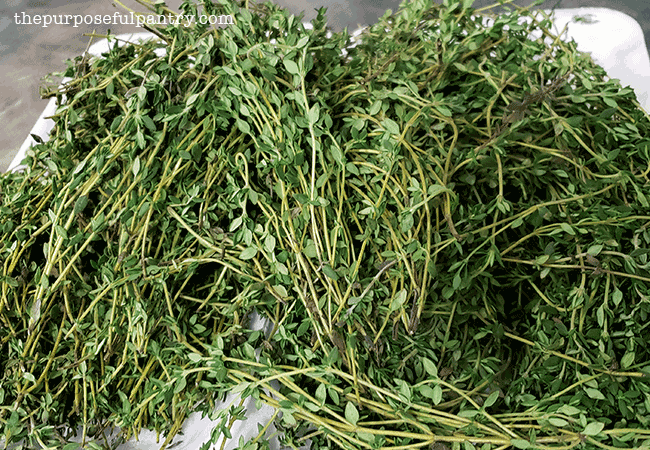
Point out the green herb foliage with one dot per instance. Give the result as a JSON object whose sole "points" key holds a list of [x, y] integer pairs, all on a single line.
{"points": [[446, 225]]}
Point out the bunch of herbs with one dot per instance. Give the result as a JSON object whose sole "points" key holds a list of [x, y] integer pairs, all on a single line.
{"points": [[446, 226]]}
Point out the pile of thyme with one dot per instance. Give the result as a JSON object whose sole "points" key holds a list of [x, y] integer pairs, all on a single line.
{"points": [[446, 226]]}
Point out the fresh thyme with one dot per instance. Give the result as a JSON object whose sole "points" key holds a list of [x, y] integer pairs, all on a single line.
{"points": [[517, 110], [418, 293]]}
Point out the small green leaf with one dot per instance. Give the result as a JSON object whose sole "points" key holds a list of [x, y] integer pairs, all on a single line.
{"points": [[595, 250], [404, 391], [351, 413], [282, 292], [456, 281], [567, 228], [248, 253], [641, 197], [313, 114], [310, 249], [468, 413], [558, 422], [282, 269], [398, 300], [288, 418], [229, 71], [192, 98], [61, 231], [80, 204], [492, 398], [232, 48], [73, 116], [337, 155], [97, 222], [240, 387], [321, 393], [243, 126], [139, 137], [136, 166], [180, 385], [367, 437], [302, 41], [334, 395], [390, 126], [235, 91], [407, 222], [331, 273], [520, 443], [437, 394], [542, 259], [430, 367], [79, 167], [374, 109], [577, 99], [312, 406], [291, 66], [149, 123], [600, 315], [236, 223], [194, 357], [437, 189], [426, 391], [568, 410], [593, 428], [595, 394], [142, 93], [269, 243], [627, 360], [443, 110], [29, 377], [610, 102]]}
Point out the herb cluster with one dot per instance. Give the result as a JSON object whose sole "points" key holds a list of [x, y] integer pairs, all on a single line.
{"points": [[446, 224]]}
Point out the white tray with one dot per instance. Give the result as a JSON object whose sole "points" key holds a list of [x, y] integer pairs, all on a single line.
{"points": [[615, 41]]}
